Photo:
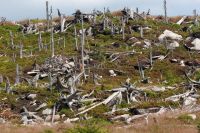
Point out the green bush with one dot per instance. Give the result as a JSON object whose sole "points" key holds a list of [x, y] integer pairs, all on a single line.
{"points": [[185, 118], [86, 129]]}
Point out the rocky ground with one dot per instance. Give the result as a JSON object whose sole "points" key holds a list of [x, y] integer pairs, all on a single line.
{"points": [[109, 72]]}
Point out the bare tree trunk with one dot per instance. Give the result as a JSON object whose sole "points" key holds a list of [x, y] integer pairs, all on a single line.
{"points": [[52, 44], [151, 61], [123, 28], [141, 32], [21, 51], [40, 41], [52, 37], [11, 39], [14, 57], [75, 37], [1, 79], [47, 14], [17, 75], [7, 88], [165, 10], [195, 18], [82, 48], [64, 42]]}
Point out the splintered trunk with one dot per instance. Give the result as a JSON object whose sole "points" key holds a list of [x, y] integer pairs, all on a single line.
{"points": [[82, 48], [165, 10], [94, 19], [53, 114], [64, 42], [195, 18], [50, 82], [150, 56], [11, 40], [123, 29], [14, 57], [47, 14], [17, 75], [52, 43], [137, 10], [104, 23], [141, 71], [141, 32], [21, 51], [1, 79], [40, 41], [7, 88], [75, 37], [112, 29], [62, 23], [31, 53]]}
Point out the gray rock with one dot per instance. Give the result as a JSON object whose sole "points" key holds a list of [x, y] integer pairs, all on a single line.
{"points": [[47, 111]]}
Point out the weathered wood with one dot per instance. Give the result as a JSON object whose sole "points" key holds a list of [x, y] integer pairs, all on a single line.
{"points": [[40, 41], [75, 38], [47, 14], [165, 11], [11, 40], [181, 20], [82, 47], [17, 75], [21, 50]]}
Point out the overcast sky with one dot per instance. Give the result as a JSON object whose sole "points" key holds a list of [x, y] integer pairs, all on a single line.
{"points": [[22, 9]]}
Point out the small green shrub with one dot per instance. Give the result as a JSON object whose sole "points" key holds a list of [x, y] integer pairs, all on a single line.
{"points": [[185, 118], [86, 129]]}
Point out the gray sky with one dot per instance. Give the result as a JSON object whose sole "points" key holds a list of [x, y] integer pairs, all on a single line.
{"points": [[22, 9]]}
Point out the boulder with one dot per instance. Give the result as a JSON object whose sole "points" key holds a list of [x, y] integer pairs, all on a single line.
{"points": [[47, 111], [196, 44], [171, 35], [112, 73], [31, 96], [193, 116], [189, 101]]}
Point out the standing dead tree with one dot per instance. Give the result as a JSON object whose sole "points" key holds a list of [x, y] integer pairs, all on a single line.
{"points": [[165, 10], [11, 40], [47, 14], [8, 87], [17, 75], [62, 21], [196, 22], [40, 41], [76, 39], [21, 51], [123, 28], [52, 36], [82, 47]]}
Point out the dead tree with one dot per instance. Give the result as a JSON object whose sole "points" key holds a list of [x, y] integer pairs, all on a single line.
{"points": [[82, 48], [62, 21], [14, 57], [7, 87], [47, 14], [137, 10], [141, 32], [195, 17], [150, 56], [17, 75], [123, 28], [64, 42], [75, 37], [1, 79], [165, 10], [52, 38], [21, 50], [11, 39], [40, 41], [50, 81]]}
